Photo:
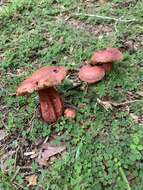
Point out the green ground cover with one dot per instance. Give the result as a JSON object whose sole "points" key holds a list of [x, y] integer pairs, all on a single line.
{"points": [[104, 146]]}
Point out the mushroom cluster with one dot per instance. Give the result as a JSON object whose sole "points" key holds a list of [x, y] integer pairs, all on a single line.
{"points": [[47, 78], [101, 63]]}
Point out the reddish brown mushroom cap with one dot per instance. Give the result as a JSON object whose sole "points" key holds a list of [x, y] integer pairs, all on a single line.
{"points": [[106, 56], [91, 74], [41, 79], [70, 113]]}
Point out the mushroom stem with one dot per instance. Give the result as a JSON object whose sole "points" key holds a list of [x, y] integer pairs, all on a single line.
{"points": [[51, 104], [107, 67]]}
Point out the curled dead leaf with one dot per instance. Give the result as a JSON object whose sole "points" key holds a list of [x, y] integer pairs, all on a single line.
{"points": [[48, 153], [32, 180], [51, 151], [106, 104]]}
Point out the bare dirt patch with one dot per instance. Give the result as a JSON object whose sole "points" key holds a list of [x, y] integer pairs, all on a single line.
{"points": [[87, 27]]}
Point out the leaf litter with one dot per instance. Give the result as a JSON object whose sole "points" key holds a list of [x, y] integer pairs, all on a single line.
{"points": [[49, 152], [3, 134], [32, 180]]}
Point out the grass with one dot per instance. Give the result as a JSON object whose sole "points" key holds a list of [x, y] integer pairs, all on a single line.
{"points": [[102, 153]]}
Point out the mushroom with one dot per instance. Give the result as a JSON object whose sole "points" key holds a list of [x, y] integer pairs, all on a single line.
{"points": [[91, 74], [106, 57], [70, 113], [43, 81]]}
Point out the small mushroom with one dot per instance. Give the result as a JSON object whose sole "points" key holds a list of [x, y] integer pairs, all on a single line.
{"points": [[70, 113], [91, 74], [43, 81], [106, 57]]}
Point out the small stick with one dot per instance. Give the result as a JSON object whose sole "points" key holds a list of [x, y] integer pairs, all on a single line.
{"points": [[125, 103], [19, 186], [103, 17], [16, 173], [16, 154]]}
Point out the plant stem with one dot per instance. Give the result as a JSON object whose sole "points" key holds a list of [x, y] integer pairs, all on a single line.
{"points": [[124, 178]]}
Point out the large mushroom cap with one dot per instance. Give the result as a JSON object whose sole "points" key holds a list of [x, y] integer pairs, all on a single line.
{"points": [[91, 74], [106, 56], [41, 79]]}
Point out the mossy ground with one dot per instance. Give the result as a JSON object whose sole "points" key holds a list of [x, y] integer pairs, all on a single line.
{"points": [[104, 147]]}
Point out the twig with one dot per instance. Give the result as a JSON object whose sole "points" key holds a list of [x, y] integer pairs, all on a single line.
{"points": [[116, 23], [104, 17], [125, 103], [45, 141], [124, 178], [16, 154], [19, 186], [16, 173], [26, 168], [108, 104], [31, 121]]}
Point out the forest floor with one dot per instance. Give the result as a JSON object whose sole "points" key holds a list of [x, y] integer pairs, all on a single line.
{"points": [[102, 148]]}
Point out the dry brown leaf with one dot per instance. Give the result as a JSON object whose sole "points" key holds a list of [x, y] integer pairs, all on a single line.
{"points": [[42, 162], [3, 134], [49, 154], [51, 151], [134, 117], [106, 104], [32, 180]]}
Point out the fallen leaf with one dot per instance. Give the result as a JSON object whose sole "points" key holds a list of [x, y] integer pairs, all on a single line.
{"points": [[32, 180], [51, 151], [140, 93], [106, 104], [134, 117], [3, 134], [42, 162]]}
